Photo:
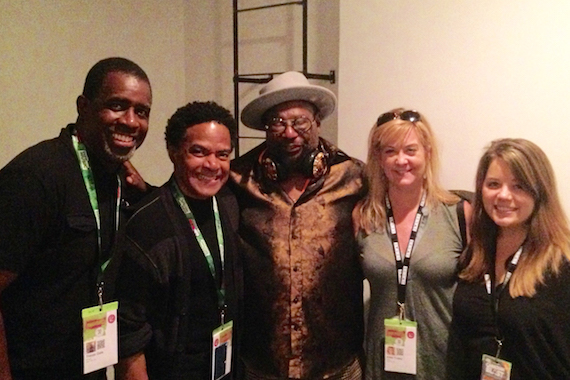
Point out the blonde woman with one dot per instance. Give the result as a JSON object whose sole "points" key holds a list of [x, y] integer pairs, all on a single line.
{"points": [[406, 210], [512, 307]]}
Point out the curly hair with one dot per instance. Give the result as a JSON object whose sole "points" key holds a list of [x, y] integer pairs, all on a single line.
{"points": [[197, 113]]}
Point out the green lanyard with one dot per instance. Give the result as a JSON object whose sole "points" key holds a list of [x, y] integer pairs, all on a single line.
{"points": [[89, 181], [201, 241]]}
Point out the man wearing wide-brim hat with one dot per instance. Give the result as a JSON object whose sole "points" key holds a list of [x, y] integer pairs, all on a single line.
{"points": [[302, 277]]}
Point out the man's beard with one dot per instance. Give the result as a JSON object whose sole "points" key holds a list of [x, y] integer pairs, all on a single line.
{"points": [[118, 158], [294, 164]]}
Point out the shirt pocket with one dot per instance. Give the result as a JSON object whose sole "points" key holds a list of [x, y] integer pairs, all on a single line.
{"points": [[81, 223], [78, 244]]}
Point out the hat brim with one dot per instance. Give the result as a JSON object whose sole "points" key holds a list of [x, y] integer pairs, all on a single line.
{"points": [[323, 98]]}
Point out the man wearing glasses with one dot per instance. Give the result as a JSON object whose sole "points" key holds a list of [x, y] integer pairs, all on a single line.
{"points": [[303, 282]]}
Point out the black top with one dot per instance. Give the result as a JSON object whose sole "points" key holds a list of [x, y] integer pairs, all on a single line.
{"points": [[536, 330], [48, 236], [204, 213], [167, 296], [203, 296]]}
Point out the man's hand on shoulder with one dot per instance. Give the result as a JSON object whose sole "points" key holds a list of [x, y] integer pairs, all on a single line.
{"points": [[133, 177]]}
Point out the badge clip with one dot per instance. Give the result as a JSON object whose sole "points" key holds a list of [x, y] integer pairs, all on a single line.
{"points": [[499, 346], [401, 311], [100, 295]]}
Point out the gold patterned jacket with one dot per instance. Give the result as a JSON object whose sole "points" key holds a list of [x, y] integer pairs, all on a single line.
{"points": [[302, 276]]}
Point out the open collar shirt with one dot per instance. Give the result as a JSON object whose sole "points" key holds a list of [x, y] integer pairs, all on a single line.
{"points": [[303, 281]]}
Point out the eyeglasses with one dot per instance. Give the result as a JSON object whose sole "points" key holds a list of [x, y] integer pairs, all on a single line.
{"points": [[278, 125], [409, 115]]}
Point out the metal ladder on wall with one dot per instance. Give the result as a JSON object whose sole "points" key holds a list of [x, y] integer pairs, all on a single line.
{"points": [[267, 76]]}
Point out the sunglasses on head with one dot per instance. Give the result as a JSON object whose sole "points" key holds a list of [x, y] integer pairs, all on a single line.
{"points": [[409, 115]]}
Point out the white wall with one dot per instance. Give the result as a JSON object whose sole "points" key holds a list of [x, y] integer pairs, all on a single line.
{"points": [[478, 70], [47, 47], [270, 40], [185, 46]]}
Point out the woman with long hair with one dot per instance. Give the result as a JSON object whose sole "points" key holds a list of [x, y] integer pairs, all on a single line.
{"points": [[410, 236], [512, 306]]}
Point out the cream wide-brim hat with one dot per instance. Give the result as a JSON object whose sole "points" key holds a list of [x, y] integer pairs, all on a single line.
{"points": [[288, 86]]}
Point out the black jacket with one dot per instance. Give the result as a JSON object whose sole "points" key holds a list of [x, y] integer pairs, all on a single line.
{"points": [[167, 296]]}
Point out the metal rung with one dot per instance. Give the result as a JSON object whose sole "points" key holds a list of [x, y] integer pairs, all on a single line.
{"points": [[266, 77], [270, 6]]}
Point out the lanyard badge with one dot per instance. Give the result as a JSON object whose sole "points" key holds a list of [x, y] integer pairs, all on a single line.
{"points": [[202, 242], [494, 368], [222, 335], [403, 262], [400, 347], [89, 182], [100, 347]]}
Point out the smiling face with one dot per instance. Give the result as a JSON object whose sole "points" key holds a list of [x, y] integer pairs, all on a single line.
{"points": [[114, 124], [504, 197], [290, 144], [404, 162], [202, 161]]}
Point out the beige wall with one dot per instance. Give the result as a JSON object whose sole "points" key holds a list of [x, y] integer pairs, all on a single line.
{"points": [[478, 70], [186, 48], [48, 47]]}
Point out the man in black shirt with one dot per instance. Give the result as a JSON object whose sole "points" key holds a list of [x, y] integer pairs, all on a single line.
{"points": [[179, 280], [60, 204]]}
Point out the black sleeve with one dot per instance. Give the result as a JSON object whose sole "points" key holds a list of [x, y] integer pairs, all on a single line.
{"points": [[27, 215], [136, 290]]}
